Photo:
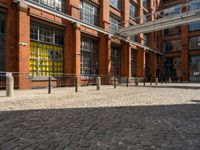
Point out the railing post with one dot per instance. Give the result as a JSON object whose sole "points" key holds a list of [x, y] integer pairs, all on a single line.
{"points": [[76, 84], [136, 81], [170, 80], [156, 80], [9, 85], [98, 82], [127, 82], [49, 86], [115, 86], [150, 80]]}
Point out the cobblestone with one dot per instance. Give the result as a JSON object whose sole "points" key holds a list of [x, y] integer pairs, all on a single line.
{"points": [[130, 118]]}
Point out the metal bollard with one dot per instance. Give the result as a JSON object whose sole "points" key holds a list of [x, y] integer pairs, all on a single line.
{"points": [[150, 81], [170, 80], [161, 80], [136, 81], [9, 85], [115, 86], [144, 81], [156, 80], [49, 86], [76, 84], [127, 82], [98, 82]]}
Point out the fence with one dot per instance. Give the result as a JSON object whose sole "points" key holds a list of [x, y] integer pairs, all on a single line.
{"points": [[25, 81]]}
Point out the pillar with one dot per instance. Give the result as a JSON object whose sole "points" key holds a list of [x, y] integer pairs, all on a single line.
{"points": [[72, 41], [125, 61], [105, 44], [23, 46], [140, 62], [140, 51], [185, 53]]}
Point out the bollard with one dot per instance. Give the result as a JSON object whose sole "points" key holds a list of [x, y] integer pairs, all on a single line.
{"points": [[150, 81], [49, 86], [161, 80], [98, 82], [115, 86], [156, 80], [136, 81], [170, 80], [144, 81], [76, 84], [127, 82], [9, 85]]}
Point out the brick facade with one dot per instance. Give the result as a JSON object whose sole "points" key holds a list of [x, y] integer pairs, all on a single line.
{"points": [[20, 16]]}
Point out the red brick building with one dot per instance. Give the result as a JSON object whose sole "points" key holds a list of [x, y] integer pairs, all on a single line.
{"points": [[41, 44], [181, 46]]}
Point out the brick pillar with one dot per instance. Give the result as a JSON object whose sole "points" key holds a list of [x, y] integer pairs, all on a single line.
{"points": [[108, 58], [140, 62], [12, 41], [105, 44], [72, 41], [154, 64], [77, 49], [125, 60], [24, 46], [185, 53], [126, 49], [140, 51], [125, 13]]}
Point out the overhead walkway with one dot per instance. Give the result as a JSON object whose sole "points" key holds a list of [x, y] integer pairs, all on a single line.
{"points": [[174, 16], [34, 4]]}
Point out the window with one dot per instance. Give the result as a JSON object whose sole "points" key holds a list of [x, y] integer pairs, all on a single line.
{"points": [[89, 57], [172, 31], [2, 41], [145, 3], [172, 67], [116, 4], [175, 10], [89, 13], [145, 39], [194, 68], [132, 10], [58, 5], [194, 26], [194, 42], [46, 50], [114, 23], [174, 45], [194, 5], [115, 61], [133, 38], [146, 17]]}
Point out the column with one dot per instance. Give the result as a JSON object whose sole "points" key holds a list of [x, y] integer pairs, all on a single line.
{"points": [[185, 53], [105, 44], [24, 46], [140, 51], [72, 42], [125, 60]]}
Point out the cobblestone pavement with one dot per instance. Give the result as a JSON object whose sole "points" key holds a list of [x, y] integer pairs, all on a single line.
{"points": [[133, 118]]}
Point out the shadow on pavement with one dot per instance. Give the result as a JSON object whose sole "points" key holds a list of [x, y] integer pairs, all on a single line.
{"points": [[196, 101], [170, 127]]}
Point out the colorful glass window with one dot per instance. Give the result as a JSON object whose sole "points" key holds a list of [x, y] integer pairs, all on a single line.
{"points": [[46, 51]]}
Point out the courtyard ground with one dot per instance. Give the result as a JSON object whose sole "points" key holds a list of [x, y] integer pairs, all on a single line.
{"points": [[163, 117]]}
